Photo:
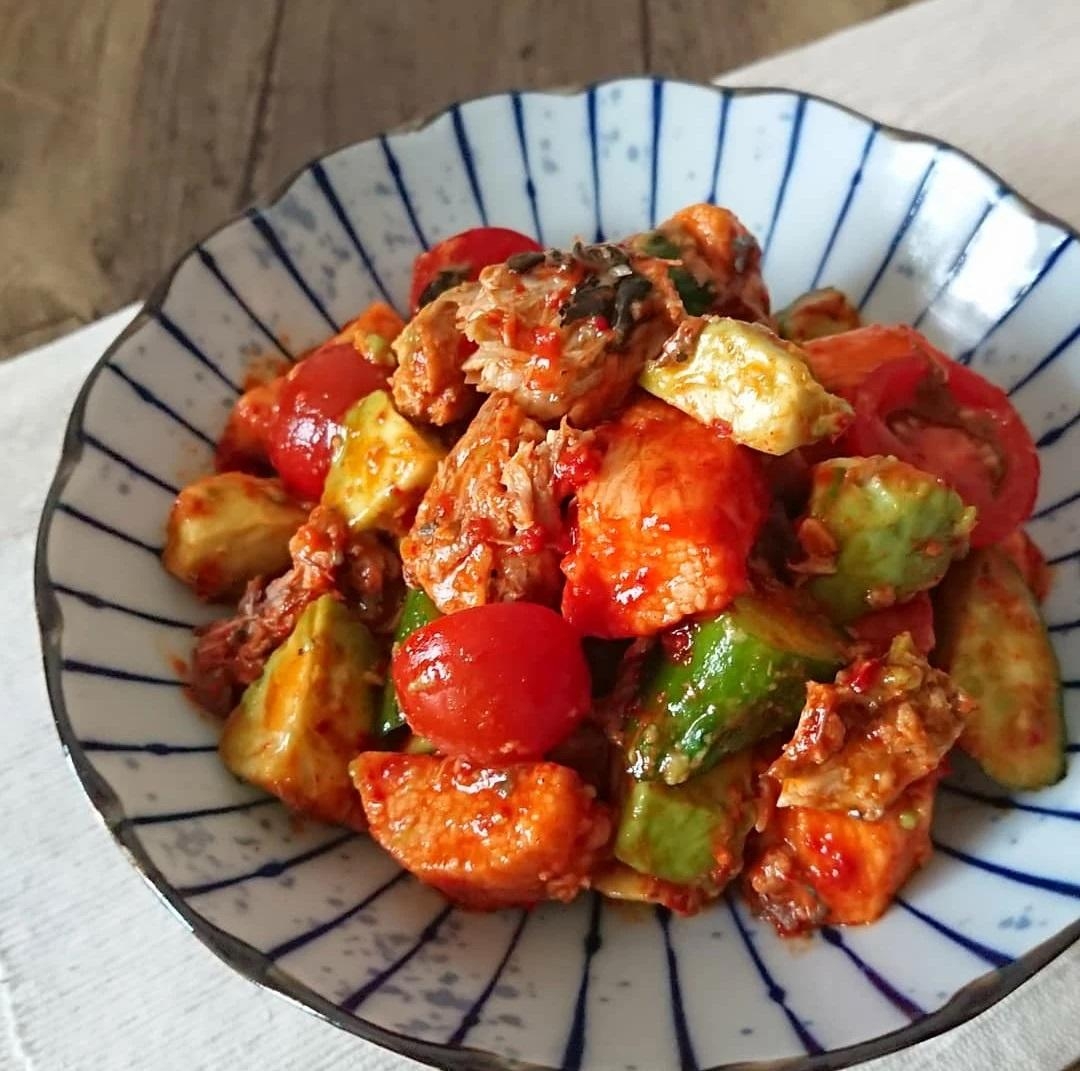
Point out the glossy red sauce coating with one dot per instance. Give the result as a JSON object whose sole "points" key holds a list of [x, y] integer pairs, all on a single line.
{"points": [[864, 674], [487, 837], [664, 528], [811, 867]]}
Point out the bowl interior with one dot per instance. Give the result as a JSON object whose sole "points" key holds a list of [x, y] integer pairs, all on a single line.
{"points": [[913, 231]]}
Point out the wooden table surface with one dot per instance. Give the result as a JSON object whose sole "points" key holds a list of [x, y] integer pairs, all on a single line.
{"points": [[131, 128]]}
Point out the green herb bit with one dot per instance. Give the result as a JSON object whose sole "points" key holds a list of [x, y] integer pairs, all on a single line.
{"points": [[697, 298]]}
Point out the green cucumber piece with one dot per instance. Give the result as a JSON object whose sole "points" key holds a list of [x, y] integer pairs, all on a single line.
{"points": [[381, 468], [417, 745], [719, 684], [691, 834], [992, 641], [227, 529], [417, 610]]}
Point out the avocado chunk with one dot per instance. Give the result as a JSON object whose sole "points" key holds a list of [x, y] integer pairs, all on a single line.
{"points": [[879, 530], [742, 378], [715, 685], [308, 716], [417, 610], [993, 643], [381, 467], [817, 314], [227, 529], [689, 834]]}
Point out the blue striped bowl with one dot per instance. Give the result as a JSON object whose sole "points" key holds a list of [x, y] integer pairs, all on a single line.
{"points": [[915, 231]]}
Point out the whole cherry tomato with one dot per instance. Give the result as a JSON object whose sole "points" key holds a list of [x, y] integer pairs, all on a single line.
{"points": [[494, 683]]}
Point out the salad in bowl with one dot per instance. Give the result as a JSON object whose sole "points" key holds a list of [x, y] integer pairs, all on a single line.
{"points": [[598, 572]]}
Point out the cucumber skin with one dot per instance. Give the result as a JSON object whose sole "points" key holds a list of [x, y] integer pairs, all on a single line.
{"points": [[417, 610], [993, 643], [732, 688], [689, 834]]}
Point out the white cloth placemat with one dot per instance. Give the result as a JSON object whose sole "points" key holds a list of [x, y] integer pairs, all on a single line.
{"points": [[94, 974]]}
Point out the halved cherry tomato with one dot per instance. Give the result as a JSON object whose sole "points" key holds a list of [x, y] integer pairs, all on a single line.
{"points": [[459, 258], [915, 616], [493, 683], [316, 395], [946, 419]]}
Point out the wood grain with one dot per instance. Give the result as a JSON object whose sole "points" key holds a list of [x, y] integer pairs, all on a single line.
{"points": [[699, 39], [130, 128], [344, 71], [123, 132]]}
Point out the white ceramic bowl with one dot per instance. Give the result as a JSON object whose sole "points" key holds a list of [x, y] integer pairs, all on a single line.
{"points": [[915, 231]]}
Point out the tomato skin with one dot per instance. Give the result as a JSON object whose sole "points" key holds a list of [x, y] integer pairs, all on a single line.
{"points": [[494, 683], [893, 386], [915, 616], [465, 254], [841, 362], [315, 396]]}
